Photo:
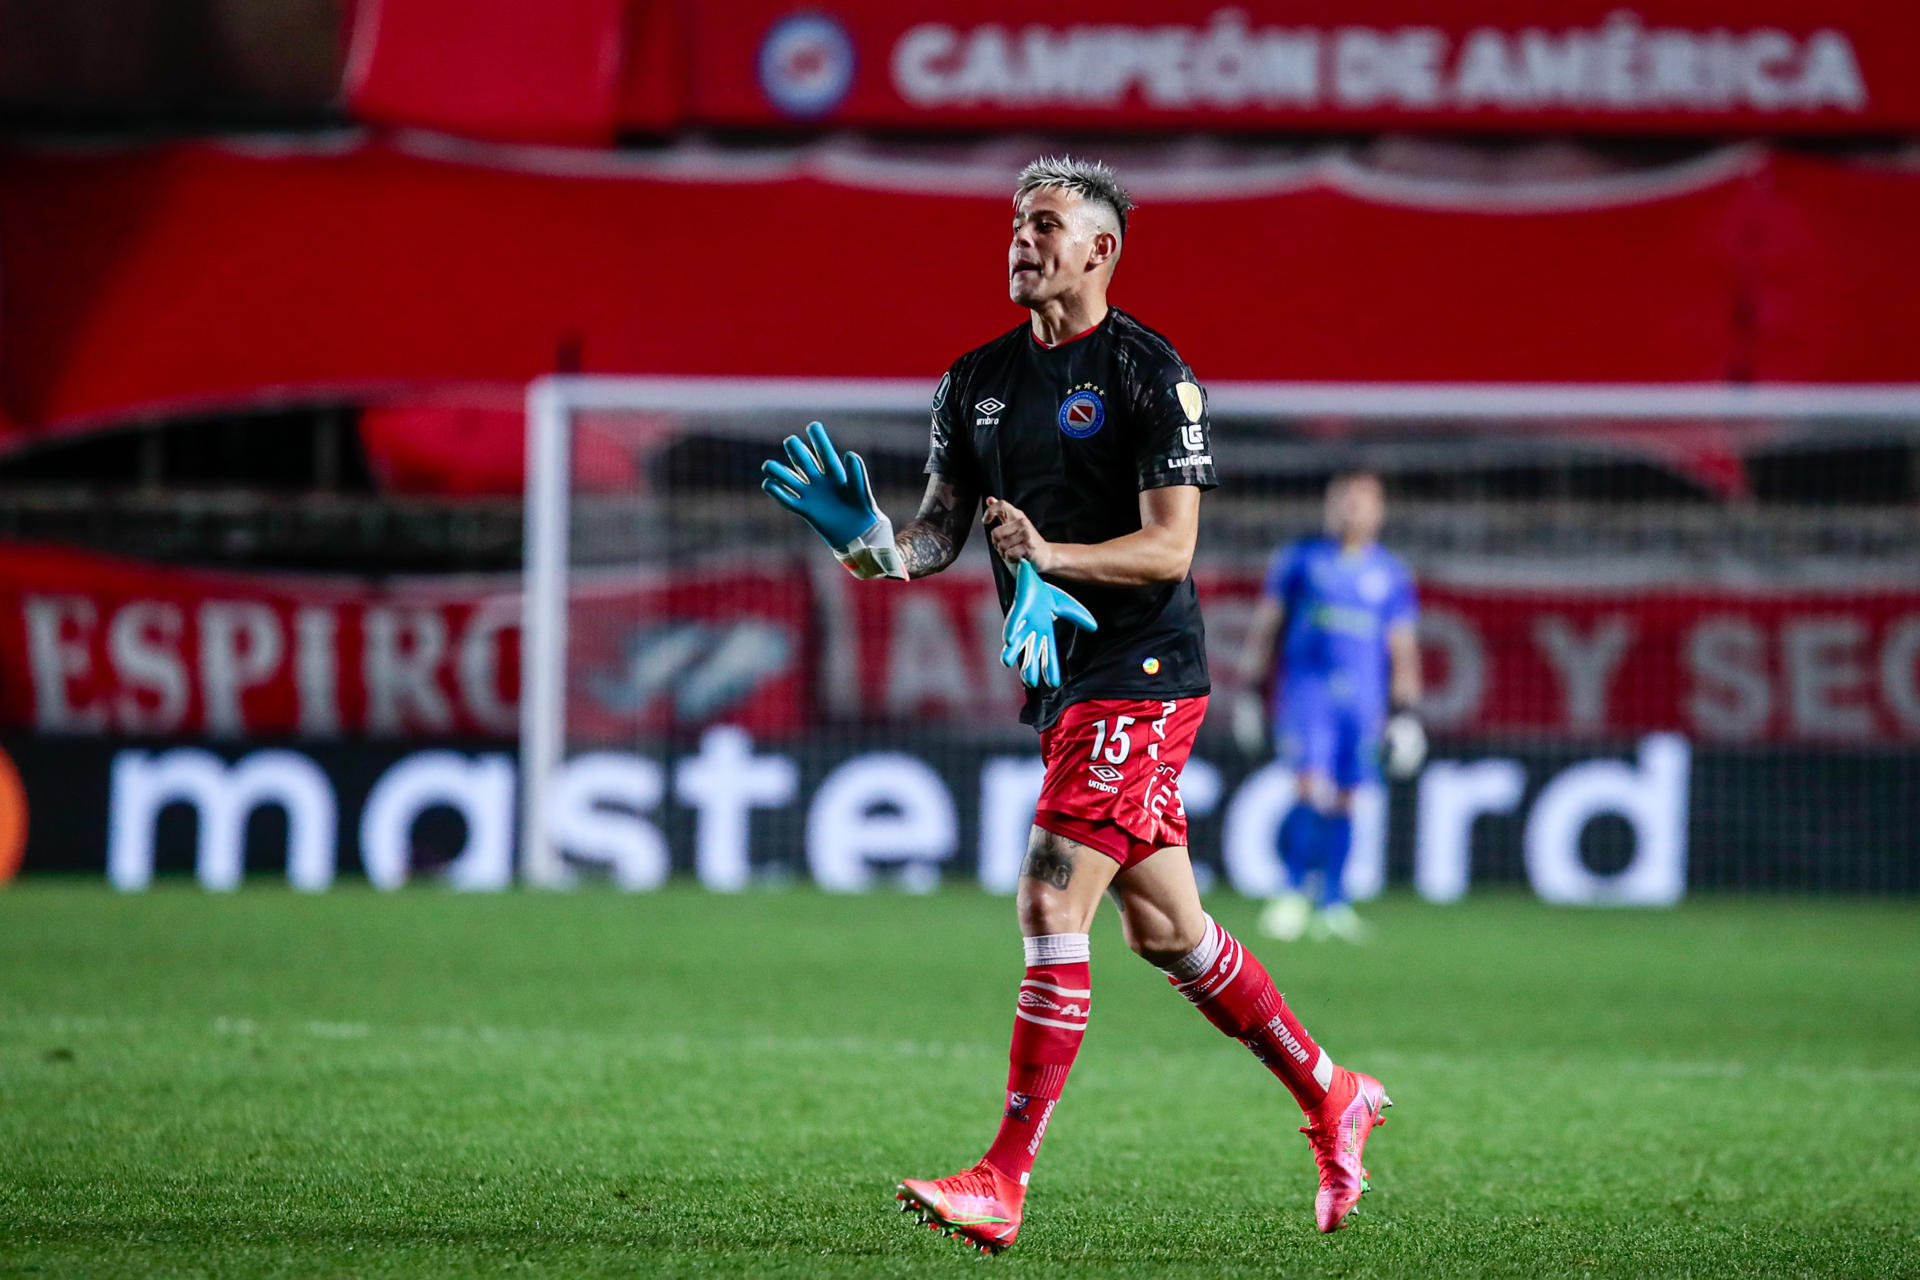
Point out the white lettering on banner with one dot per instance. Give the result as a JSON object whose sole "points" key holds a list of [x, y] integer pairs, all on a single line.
{"points": [[241, 645], [1250, 840], [221, 796], [58, 653], [1454, 699], [480, 789], [1452, 795], [723, 784], [925, 668], [232, 668], [882, 808], [143, 644], [1585, 665], [1825, 677], [403, 651], [594, 817], [1732, 697], [1396, 68], [1651, 797], [1009, 793], [886, 807], [1618, 66], [316, 642], [479, 665], [1900, 672]]}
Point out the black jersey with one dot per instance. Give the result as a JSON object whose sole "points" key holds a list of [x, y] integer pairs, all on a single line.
{"points": [[1071, 435]]}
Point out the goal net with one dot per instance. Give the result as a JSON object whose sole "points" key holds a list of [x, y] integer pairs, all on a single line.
{"points": [[1671, 639]]}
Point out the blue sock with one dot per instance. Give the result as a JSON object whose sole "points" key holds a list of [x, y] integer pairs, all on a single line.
{"points": [[1300, 843], [1336, 842]]}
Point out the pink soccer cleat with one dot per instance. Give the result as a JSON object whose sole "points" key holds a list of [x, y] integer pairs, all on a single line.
{"points": [[980, 1206], [1337, 1131]]}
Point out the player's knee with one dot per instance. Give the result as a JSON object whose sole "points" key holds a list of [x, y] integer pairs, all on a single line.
{"points": [[1157, 938], [1044, 912]]}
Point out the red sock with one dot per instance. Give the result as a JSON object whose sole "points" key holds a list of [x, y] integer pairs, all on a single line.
{"points": [[1228, 985], [1055, 997]]}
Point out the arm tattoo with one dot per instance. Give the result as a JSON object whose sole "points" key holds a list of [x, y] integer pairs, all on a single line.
{"points": [[1048, 860], [934, 538]]}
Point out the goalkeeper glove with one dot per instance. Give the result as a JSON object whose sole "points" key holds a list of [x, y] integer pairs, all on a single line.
{"points": [[830, 492], [1404, 745], [1031, 643], [1250, 725]]}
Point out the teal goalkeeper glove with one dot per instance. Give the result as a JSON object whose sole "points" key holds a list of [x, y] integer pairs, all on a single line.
{"points": [[1031, 643], [830, 492]]}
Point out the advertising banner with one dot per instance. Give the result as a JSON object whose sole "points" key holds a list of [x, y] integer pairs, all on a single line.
{"points": [[1559, 662], [93, 645], [1625, 823], [1696, 66]]}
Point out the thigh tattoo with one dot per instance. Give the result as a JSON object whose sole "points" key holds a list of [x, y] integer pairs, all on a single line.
{"points": [[1047, 860]]}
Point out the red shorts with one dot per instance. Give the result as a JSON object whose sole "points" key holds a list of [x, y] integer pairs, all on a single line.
{"points": [[1113, 774]]}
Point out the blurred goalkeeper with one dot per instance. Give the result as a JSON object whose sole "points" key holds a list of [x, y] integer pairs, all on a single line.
{"points": [[1086, 437], [1340, 611]]}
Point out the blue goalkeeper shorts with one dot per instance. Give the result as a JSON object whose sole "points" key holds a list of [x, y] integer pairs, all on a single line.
{"points": [[1322, 735]]}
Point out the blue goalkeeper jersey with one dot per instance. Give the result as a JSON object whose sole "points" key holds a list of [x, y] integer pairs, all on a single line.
{"points": [[1339, 606]]}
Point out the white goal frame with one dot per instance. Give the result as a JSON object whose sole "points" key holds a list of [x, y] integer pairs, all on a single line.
{"points": [[553, 400]]}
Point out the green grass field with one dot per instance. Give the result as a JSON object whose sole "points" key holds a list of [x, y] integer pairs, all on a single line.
{"points": [[678, 1084]]}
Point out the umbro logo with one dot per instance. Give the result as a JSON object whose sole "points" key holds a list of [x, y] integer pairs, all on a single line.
{"points": [[990, 405], [1105, 772], [989, 412]]}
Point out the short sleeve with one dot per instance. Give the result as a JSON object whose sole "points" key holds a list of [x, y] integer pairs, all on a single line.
{"points": [[1282, 574], [951, 454], [1173, 441]]}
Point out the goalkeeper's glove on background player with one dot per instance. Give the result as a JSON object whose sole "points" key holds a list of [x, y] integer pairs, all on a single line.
{"points": [[1250, 725], [1403, 745], [829, 490], [1032, 644]]}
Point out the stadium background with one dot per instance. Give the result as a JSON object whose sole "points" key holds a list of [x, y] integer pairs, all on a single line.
{"points": [[1621, 305], [1620, 301]]}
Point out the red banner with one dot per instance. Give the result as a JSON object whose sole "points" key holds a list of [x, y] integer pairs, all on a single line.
{"points": [[1694, 66], [196, 276], [505, 69], [93, 645], [1714, 664]]}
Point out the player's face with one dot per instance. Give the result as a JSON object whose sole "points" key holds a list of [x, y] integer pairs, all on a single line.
{"points": [[1053, 243], [1356, 508]]}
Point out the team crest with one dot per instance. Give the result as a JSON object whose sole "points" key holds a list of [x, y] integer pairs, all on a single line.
{"points": [[1083, 412], [806, 64]]}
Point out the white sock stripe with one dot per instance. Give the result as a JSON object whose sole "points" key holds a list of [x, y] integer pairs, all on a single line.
{"points": [[1057, 948], [1220, 975], [1063, 991], [1050, 1022], [1239, 957], [1197, 961], [1323, 1070]]}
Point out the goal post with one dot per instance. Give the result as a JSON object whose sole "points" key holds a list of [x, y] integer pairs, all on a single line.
{"points": [[643, 479]]}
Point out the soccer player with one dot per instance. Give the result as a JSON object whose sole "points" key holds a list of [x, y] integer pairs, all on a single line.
{"points": [[1086, 437], [1347, 608]]}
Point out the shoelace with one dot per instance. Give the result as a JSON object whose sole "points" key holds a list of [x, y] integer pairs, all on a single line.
{"points": [[973, 1182]]}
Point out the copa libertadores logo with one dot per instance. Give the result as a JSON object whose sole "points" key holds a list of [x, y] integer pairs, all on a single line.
{"points": [[806, 64]]}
